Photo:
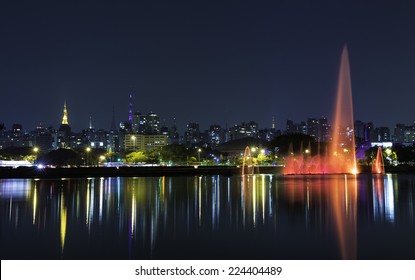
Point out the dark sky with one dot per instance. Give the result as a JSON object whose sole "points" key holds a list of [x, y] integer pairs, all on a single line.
{"points": [[204, 61]]}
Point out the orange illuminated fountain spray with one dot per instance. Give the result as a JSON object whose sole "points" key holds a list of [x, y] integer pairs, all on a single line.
{"points": [[340, 157], [342, 149], [378, 166], [247, 166]]}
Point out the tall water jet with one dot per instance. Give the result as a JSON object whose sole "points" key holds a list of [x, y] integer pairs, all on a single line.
{"points": [[340, 155], [378, 166], [342, 158], [247, 165]]}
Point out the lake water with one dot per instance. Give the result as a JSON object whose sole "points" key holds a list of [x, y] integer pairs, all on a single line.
{"points": [[210, 217]]}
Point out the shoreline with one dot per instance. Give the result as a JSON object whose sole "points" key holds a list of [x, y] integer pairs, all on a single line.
{"points": [[150, 171], [142, 171]]}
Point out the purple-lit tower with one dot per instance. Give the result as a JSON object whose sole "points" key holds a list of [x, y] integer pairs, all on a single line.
{"points": [[130, 111]]}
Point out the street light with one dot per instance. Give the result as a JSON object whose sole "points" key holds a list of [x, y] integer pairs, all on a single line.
{"points": [[133, 138], [36, 150], [88, 149], [198, 151], [262, 156], [102, 158]]}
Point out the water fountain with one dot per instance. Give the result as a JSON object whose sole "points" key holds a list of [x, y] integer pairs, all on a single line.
{"points": [[340, 154], [378, 166], [247, 166]]}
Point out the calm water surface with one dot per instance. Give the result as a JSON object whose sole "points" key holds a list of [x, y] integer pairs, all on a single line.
{"points": [[210, 217]]}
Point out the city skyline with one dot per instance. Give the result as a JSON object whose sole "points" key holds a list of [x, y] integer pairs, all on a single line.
{"points": [[221, 63], [64, 119], [140, 129]]}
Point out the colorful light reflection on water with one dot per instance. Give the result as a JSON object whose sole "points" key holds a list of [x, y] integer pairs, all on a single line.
{"points": [[210, 217]]}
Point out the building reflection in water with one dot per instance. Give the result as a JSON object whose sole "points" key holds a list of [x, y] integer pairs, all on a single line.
{"points": [[383, 197], [133, 216]]}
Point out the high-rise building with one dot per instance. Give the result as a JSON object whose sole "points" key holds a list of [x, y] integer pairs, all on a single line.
{"points": [[174, 137], [410, 134], [144, 143], [251, 129], [99, 139], [3, 137], [152, 124], [239, 131], [17, 130], [164, 130], [43, 139], [137, 120], [16, 137], [404, 133], [302, 128], [361, 132], [313, 128], [149, 124], [382, 134], [370, 131], [292, 127], [324, 129], [400, 132], [216, 135], [192, 134]]}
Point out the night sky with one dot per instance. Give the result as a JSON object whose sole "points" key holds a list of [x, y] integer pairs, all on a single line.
{"points": [[209, 62]]}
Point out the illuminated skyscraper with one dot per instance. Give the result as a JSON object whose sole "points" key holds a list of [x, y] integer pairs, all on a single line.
{"points": [[153, 124], [313, 128], [149, 124]]}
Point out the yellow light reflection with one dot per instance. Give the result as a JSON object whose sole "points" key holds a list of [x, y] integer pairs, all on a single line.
{"points": [[88, 194], [133, 202], [163, 187], [254, 200], [243, 195], [263, 198], [34, 202], [63, 219], [200, 199]]}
